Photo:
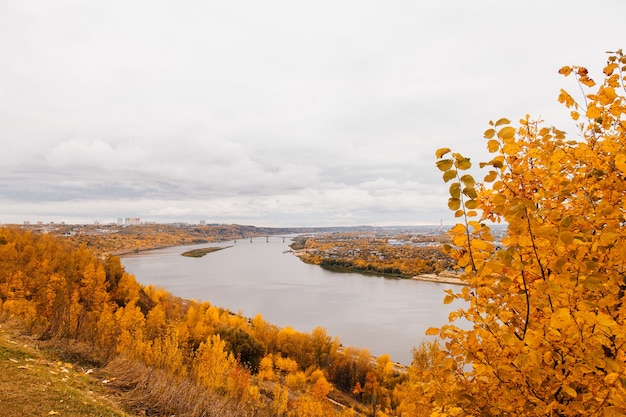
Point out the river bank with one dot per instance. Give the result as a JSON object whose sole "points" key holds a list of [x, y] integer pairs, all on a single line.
{"points": [[443, 278]]}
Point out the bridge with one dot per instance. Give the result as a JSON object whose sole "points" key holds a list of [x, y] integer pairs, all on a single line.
{"points": [[267, 238]]}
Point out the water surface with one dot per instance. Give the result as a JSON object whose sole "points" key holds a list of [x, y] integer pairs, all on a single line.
{"points": [[381, 314]]}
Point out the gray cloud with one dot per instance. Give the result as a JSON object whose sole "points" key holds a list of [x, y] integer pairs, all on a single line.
{"points": [[272, 113]]}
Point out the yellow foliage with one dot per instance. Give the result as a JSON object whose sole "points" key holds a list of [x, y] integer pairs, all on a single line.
{"points": [[296, 381], [280, 396], [548, 308], [286, 365], [212, 363], [321, 388], [266, 369], [308, 406]]}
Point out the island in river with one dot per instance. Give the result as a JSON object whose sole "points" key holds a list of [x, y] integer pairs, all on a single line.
{"points": [[199, 253]]}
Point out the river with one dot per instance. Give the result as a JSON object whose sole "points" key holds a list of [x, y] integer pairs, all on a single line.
{"points": [[384, 315]]}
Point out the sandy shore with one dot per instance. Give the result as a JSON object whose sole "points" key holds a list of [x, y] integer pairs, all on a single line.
{"points": [[441, 278]]}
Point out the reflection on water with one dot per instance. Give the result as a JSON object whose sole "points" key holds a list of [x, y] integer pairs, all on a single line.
{"points": [[381, 314]]}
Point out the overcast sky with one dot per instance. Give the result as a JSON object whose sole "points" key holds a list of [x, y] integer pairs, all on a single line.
{"points": [[271, 113]]}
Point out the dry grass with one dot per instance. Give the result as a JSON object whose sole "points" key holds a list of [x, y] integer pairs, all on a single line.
{"points": [[47, 379], [35, 382], [151, 392]]}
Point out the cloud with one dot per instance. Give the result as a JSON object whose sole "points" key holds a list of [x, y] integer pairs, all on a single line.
{"points": [[277, 112], [76, 154]]}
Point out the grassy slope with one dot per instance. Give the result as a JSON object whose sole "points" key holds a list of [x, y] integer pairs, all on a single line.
{"points": [[36, 382]]}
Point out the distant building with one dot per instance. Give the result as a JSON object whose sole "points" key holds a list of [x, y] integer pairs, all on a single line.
{"points": [[202, 222], [120, 221], [132, 221]]}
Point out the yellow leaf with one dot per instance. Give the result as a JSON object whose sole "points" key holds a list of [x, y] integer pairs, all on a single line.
{"points": [[620, 162], [432, 331], [458, 229], [448, 299], [593, 112], [463, 163], [498, 185], [508, 339], [547, 358], [444, 164], [489, 133], [497, 162], [470, 192], [491, 176], [606, 320], [565, 98], [587, 81], [493, 145], [565, 222], [471, 204], [569, 391], [459, 240], [454, 203], [593, 283], [511, 148], [611, 378], [468, 180], [566, 237], [559, 134], [565, 70], [449, 174], [503, 121], [612, 365], [609, 92], [506, 133], [441, 152], [575, 115], [608, 70], [609, 237], [455, 190], [449, 363], [560, 318], [479, 244], [465, 291]]}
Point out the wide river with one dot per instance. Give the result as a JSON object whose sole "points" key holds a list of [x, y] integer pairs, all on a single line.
{"points": [[381, 314]]}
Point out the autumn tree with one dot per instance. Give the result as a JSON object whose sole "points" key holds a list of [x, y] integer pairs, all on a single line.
{"points": [[547, 308], [212, 363], [243, 346], [422, 379]]}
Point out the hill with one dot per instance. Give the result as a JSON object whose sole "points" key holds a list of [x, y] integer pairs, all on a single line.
{"points": [[39, 379]]}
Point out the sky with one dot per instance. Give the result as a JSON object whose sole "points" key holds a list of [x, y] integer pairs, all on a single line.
{"points": [[272, 113]]}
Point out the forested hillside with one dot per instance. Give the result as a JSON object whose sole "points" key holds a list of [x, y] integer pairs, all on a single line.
{"points": [[246, 366]]}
